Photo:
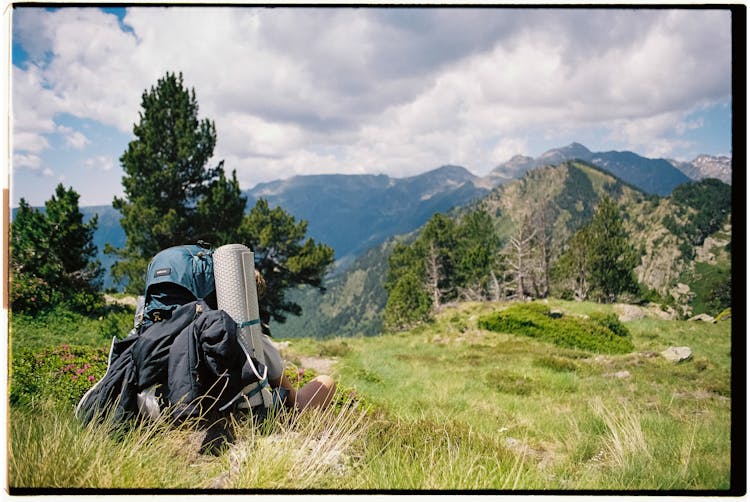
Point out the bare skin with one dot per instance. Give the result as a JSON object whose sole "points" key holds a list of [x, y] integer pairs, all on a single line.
{"points": [[316, 393]]}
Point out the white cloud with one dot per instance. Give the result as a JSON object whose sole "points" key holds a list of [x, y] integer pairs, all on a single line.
{"points": [[506, 148], [377, 90], [100, 163], [27, 161], [73, 139]]}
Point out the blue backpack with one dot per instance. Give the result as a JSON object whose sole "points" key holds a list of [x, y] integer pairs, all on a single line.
{"points": [[177, 276]]}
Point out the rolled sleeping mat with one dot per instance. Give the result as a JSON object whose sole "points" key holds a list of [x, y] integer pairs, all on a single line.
{"points": [[237, 295]]}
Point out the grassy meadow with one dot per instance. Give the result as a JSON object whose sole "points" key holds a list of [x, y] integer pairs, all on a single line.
{"points": [[445, 406]]}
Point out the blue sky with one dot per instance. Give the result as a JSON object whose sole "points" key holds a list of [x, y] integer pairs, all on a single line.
{"points": [[393, 91]]}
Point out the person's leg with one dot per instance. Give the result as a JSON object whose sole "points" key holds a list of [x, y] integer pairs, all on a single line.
{"points": [[316, 393]]}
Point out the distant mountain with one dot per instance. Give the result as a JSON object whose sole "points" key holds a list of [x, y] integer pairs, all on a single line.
{"points": [[352, 213], [355, 299], [654, 176], [108, 231], [707, 166]]}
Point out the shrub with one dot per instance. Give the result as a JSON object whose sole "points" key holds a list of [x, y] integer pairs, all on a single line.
{"points": [[31, 294], [62, 374], [611, 322], [600, 333]]}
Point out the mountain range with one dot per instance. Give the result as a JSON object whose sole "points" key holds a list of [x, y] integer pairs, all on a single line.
{"points": [[353, 213], [672, 264]]}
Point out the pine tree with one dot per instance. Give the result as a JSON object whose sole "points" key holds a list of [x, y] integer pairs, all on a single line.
{"points": [[73, 240], [172, 196], [611, 258], [283, 257], [52, 256]]}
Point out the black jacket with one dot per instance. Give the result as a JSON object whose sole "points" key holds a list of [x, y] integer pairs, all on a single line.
{"points": [[193, 358]]}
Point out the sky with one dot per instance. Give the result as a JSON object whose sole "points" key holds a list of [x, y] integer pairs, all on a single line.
{"points": [[296, 91]]}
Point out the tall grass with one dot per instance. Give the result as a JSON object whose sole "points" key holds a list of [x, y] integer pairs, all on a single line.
{"points": [[50, 449], [298, 451]]}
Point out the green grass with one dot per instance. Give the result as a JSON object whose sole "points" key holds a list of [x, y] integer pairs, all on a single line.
{"points": [[62, 326], [451, 406]]}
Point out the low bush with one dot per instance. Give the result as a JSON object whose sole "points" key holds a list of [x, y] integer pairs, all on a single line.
{"points": [[598, 333], [61, 374]]}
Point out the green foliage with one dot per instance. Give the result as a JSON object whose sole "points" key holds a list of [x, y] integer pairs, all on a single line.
{"points": [[61, 374], [283, 257], [711, 199], [572, 270], [72, 240], [52, 256], [172, 196], [477, 246], [60, 325], [599, 333], [447, 257], [408, 303], [600, 258], [611, 256], [712, 286], [29, 293], [220, 212]]}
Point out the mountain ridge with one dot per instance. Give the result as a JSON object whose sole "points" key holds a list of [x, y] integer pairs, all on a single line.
{"points": [[353, 212], [574, 188]]}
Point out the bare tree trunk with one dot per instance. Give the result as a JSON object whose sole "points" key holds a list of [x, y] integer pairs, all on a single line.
{"points": [[520, 245], [434, 274], [495, 286]]}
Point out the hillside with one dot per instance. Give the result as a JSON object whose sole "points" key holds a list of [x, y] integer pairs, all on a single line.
{"points": [[445, 406], [671, 264], [353, 213]]}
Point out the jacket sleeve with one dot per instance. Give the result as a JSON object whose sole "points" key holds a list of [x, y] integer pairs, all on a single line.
{"points": [[206, 366], [116, 392]]}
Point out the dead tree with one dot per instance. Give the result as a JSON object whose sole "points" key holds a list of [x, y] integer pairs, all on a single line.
{"points": [[520, 249], [434, 274]]}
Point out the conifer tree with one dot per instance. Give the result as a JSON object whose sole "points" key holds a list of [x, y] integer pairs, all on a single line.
{"points": [[52, 256], [611, 257], [72, 239], [283, 257], [172, 195], [600, 260]]}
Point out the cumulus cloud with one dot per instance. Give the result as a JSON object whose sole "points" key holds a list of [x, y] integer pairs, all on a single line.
{"points": [[27, 161], [73, 139], [378, 90], [100, 163]]}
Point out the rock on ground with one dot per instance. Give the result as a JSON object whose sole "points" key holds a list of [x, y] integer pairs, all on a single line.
{"points": [[677, 354], [702, 317]]}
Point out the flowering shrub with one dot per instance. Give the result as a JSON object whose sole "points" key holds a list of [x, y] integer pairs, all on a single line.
{"points": [[61, 374]]}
